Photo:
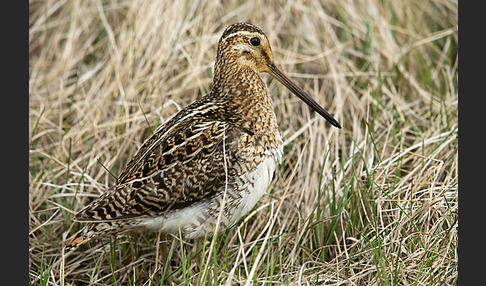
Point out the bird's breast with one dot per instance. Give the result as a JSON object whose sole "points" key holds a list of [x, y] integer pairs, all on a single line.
{"points": [[254, 184]]}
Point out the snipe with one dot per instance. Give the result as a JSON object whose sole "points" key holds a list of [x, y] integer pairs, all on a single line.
{"points": [[222, 147]]}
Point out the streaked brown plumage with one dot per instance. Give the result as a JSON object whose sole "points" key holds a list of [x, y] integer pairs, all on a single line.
{"points": [[224, 145]]}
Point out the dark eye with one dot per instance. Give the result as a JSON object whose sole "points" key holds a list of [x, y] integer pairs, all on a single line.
{"points": [[255, 41]]}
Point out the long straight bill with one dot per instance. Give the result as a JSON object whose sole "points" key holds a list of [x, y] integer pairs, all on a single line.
{"points": [[285, 80]]}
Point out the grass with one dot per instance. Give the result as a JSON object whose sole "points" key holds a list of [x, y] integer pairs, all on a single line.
{"points": [[374, 203]]}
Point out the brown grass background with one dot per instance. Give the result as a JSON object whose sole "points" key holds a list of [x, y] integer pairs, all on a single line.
{"points": [[374, 203]]}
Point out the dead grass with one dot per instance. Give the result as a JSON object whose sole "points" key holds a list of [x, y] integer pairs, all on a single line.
{"points": [[374, 203]]}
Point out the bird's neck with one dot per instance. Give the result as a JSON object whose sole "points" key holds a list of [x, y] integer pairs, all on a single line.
{"points": [[245, 94]]}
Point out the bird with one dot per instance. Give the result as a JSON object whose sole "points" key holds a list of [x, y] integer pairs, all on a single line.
{"points": [[212, 161]]}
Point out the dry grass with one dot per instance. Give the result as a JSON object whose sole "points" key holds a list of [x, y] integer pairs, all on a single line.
{"points": [[374, 203]]}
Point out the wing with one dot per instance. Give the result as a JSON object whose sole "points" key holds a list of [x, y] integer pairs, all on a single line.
{"points": [[180, 164]]}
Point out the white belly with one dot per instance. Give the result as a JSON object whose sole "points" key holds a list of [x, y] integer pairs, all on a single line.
{"points": [[262, 177], [193, 221]]}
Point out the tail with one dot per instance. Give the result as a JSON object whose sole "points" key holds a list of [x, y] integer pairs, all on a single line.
{"points": [[90, 231], [79, 239]]}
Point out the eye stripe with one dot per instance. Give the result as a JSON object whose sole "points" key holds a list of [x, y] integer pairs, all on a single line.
{"points": [[237, 34], [241, 27]]}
